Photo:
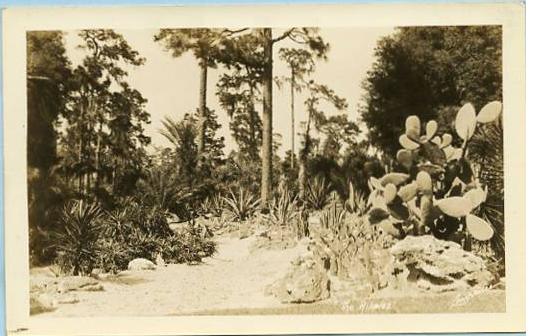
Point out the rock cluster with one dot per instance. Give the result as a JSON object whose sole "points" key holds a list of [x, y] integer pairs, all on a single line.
{"points": [[305, 282], [141, 264], [48, 291], [425, 263]]}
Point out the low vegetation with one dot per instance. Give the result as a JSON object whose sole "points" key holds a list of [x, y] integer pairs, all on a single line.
{"points": [[93, 238]]}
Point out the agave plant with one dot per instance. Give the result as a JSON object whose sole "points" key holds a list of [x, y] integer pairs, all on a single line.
{"points": [[161, 189], [283, 211], [117, 224], [241, 206], [76, 244], [213, 205], [317, 193], [438, 192], [486, 150], [356, 202], [333, 217]]}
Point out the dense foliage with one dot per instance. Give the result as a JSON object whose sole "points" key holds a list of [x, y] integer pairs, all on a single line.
{"points": [[426, 72], [92, 238]]}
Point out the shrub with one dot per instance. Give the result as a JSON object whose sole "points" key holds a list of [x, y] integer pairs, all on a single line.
{"points": [[76, 243], [142, 244], [47, 194], [153, 220], [113, 257], [187, 247], [241, 206], [93, 239], [163, 188], [317, 193]]}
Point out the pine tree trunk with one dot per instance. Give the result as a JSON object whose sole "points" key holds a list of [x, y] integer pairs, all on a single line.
{"points": [[98, 158], [303, 160], [302, 180], [266, 172], [80, 175], [292, 119], [202, 106], [253, 140]]}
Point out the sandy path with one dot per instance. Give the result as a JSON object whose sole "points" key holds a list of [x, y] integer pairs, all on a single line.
{"points": [[233, 278]]}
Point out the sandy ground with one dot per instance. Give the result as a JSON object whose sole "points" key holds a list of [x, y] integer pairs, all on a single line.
{"points": [[233, 281], [234, 278]]}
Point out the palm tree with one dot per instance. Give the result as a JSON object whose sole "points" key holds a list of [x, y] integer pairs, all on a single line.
{"points": [[201, 42], [182, 136], [204, 44]]}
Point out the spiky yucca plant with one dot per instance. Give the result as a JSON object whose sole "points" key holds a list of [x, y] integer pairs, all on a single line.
{"points": [[160, 188], [241, 205], [76, 244], [213, 205], [356, 202], [317, 193], [333, 217], [117, 224], [486, 150], [283, 211]]}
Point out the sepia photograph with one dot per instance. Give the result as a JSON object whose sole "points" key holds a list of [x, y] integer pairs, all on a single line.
{"points": [[265, 171]]}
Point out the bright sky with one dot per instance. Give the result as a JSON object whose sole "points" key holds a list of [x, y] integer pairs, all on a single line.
{"points": [[171, 85]]}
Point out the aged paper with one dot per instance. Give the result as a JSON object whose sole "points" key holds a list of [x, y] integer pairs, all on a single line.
{"points": [[336, 19]]}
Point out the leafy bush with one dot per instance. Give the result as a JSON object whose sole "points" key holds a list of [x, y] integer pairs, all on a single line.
{"points": [[241, 206], [187, 247], [240, 171], [184, 247], [317, 193], [76, 243], [47, 194], [437, 191], [142, 244], [92, 238], [113, 256]]}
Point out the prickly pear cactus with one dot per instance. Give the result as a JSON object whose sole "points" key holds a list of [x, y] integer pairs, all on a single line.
{"points": [[434, 190]]}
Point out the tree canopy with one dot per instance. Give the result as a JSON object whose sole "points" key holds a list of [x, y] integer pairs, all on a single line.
{"points": [[425, 71]]}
